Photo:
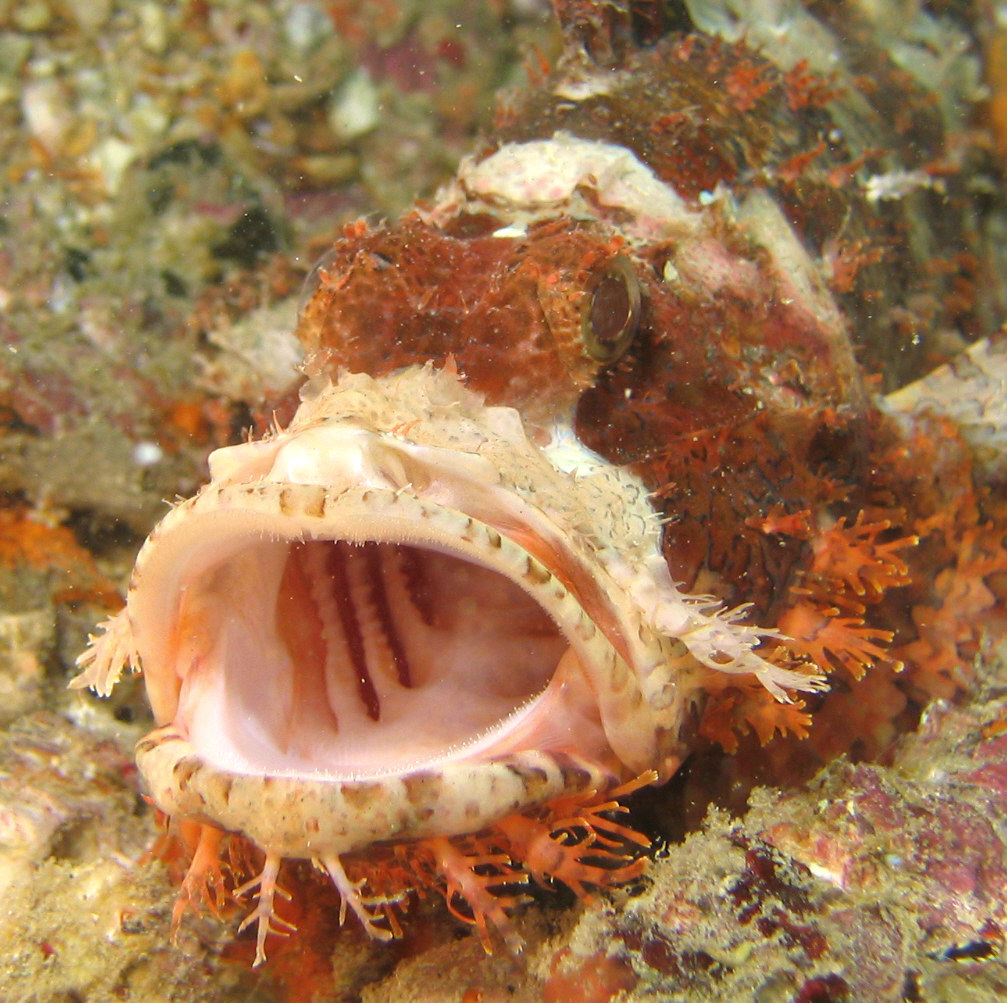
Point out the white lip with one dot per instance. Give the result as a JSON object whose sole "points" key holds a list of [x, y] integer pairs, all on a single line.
{"points": [[204, 622]]}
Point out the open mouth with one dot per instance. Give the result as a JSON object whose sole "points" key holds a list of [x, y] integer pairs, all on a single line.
{"points": [[357, 633], [403, 583], [360, 658]]}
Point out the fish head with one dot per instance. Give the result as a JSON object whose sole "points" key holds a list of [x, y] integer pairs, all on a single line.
{"points": [[450, 566], [403, 583]]}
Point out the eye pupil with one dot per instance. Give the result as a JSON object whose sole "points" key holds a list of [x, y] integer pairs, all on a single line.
{"points": [[610, 309], [612, 312]]}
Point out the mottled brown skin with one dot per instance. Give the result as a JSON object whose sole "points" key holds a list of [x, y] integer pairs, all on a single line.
{"points": [[397, 295], [750, 422], [722, 407], [702, 112], [679, 407], [706, 387]]}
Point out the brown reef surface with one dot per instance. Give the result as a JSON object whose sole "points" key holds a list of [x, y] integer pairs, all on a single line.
{"points": [[171, 171]]}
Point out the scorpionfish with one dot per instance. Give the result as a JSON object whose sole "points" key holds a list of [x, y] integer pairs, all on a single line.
{"points": [[591, 469]]}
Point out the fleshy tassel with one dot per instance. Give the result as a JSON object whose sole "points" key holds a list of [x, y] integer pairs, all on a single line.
{"points": [[204, 883], [351, 897], [467, 889], [559, 847], [264, 914]]}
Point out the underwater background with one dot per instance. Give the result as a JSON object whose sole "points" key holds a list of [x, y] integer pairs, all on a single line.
{"points": [[171, 172]]}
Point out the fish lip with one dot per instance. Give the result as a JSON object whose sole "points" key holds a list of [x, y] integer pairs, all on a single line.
{"points": [[296, 817], [289, 514]]}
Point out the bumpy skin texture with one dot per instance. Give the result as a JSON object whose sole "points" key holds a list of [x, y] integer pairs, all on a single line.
{"points": [[741, 401], [666, 258]]}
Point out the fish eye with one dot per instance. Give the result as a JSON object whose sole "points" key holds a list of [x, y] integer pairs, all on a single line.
{"points": [[611, 313], [314, 279]]}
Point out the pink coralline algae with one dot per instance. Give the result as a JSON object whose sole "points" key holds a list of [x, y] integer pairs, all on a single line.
{"points": [[871, 883]]}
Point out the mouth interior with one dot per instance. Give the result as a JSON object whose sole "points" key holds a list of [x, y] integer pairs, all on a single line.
{"points": [[356, 659]]}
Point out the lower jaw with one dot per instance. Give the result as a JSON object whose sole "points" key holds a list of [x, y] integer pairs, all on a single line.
{"points": [[299, 817]]}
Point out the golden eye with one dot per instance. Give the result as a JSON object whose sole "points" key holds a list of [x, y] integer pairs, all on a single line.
{"points": [[611, 313]]}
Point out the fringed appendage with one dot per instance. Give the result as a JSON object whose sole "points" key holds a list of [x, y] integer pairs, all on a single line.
{"points": [[205, 881], [474, 884], [852, 568], [352, 897], [562, 847], [106, 655], [264, 914], [573, 840], [826, 626]]}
